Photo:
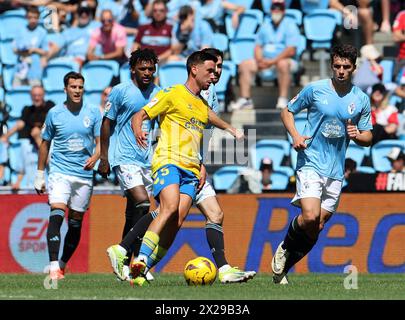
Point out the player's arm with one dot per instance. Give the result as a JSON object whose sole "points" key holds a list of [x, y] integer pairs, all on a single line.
{"points": [[39, 183], [221, 124], [140, 136], [90, 162], [362, 138], [105, 132], [287, 117]]}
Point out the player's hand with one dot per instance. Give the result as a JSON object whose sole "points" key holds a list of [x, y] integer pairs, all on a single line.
{"points": [[203, 177], [299, 142], [142, 139], [104, 168], [351, 129], [237, 133], [39, 182], [90, 163]]}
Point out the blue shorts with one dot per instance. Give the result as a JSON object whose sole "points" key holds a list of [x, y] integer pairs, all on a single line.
{"points": [[171, 174]]}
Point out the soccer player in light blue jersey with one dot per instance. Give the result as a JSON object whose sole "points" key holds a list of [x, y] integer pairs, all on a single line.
{"points": [[74, 129], [130, 162], [338, 112]]}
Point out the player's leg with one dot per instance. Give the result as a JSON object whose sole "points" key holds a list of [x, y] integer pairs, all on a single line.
{"points": [[207, 203], [59, 190]]}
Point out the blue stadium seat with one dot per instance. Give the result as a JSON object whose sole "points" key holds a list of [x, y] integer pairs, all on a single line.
{"points": [[300, 121], [249, 22], [93, 97], [15, 156], [55, 71], [11, 122], [320, 37], [57, 96], [1, 91], [228, 71], [388, 68], [274, 149], [357, 153], [220, 41], [125, 74], [366, 169], [308, 6], [224, 177], [242, 49], [266, 5], [7, 55], [6, 176], [172, 73], [98, 74], [11, 23], [380, 151], [8, 76], [17, 99], [246, 3], [280, 179], [294, 15]]}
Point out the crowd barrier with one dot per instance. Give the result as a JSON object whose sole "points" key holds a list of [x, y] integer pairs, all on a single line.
{"points": [[368, 231]]}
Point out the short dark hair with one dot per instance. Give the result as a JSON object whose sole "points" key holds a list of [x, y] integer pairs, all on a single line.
{"points": [[160, 2], [199, 57], [214, 51], [344, 51], [143, 55], [72, 75], [32, 9], [350, 164], [184, 12]]}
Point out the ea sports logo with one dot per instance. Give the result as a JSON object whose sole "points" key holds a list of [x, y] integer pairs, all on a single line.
{"points": [[27, 237]]}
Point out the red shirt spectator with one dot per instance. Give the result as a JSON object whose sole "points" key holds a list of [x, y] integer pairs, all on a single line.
{"points": [[399, 33]]}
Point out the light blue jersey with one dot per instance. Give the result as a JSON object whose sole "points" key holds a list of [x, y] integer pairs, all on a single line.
{"points": [[124, 101], [210, 96], [327, 118], [73, 136]]}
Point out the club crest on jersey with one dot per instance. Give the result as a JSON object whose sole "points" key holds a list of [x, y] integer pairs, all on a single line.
{"points": [[86, 121], [152, 102], [351, 108], [107, 106], [294, 99]]}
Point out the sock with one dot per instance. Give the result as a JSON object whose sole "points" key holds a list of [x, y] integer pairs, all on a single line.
{"points": [[149, 243], [53, 233], [54, 265], [72, 239], [158, 253], [62, 264], [133, 213], [297, 243], [215, 238], [132, 241]]}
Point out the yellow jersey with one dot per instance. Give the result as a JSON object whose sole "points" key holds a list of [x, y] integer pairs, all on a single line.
{"points": [[183, 117]]}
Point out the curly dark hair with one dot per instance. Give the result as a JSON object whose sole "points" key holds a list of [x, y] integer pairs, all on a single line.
{"points": [[142, 55], [344, 51]]}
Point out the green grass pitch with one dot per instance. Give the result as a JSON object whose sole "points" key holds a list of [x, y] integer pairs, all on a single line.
{"points": [[173, 287]]}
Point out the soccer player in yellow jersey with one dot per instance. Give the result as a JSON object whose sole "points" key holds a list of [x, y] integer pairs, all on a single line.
{"points": [[184, 115]]}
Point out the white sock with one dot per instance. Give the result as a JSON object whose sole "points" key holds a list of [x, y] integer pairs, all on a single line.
{"points": [[54, 265], [62, 265], [224, 268]]}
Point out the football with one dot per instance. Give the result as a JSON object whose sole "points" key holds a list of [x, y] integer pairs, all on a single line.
{"points": [[200, 271]]}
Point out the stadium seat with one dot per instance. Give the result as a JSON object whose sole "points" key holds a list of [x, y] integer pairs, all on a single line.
{"points": [[293, 15], [357, 153], [1, 92], [125, 74], [245, 3], [98, 74], [249, 22], [11, 122], [366, 169], [15, 156], [6, 176], [308, 6], [11, 23], [280, 179], [274, 149], [172, 73], [380, 151], [300, 121], [93, 97], [266, 5], [55, 71], [242, 49], [7, 55], [57, 96], [228, 71], [224, 177], [220, 41], [388, 68], [17, 99]]}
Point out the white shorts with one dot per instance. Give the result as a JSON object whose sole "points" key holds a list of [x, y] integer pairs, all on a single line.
{"points": [[73, 191], [311, 185], [206, 192], [130, 176]]}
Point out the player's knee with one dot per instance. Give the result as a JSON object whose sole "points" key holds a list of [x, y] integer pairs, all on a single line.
{"points": [[216, 217], [311, 221], [75, 215]]}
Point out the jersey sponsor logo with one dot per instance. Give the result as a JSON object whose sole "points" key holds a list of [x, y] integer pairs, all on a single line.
{"points": [[27, 237], [86, 121], [351, 108], [332, 129], [75, 143]]}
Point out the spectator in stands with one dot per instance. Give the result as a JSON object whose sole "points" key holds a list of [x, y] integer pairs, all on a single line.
{"points": [[384, 117], [276, 46], [74, 42], [398, 34], [350, 167], [397, 159], [213, 11], [112, 38], [370, 71], [104, 96], [364, 14], [266, 169], [400, 92], [156, 35], [190, 34], [29, 133], [31, 46]]}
